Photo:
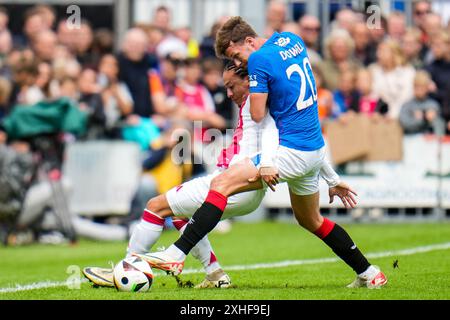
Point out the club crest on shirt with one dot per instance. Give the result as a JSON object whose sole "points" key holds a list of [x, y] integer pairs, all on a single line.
{"points": [[283, 42]]}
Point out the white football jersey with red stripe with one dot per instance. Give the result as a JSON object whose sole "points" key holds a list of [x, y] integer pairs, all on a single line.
{"points": [[245, 139]]}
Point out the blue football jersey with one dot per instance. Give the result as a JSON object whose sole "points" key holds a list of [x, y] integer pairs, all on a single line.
{"points": [[282, 69]]}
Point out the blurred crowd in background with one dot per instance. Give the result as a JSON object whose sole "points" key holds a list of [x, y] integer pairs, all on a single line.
{"points": [[159, 79]]}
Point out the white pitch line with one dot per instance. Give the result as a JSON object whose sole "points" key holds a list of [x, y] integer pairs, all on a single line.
{"points": [[36, 285], [280, 264]]}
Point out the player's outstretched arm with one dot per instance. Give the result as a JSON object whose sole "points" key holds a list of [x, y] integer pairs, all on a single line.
{"points": [[337, 187]]}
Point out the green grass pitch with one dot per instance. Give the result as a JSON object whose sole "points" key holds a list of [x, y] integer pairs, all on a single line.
{"points": [[420, 275]]}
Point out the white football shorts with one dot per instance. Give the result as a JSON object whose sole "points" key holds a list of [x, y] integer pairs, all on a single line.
{"points": [[300, 169], [186, 198]]}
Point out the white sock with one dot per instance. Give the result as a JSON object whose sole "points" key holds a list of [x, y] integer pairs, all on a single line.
{"points": [[204, 253], [369, 273], [210, 268], [144, 236], [175, 253]]}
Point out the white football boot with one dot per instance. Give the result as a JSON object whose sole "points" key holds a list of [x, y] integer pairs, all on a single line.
{"points": [[374, 282], [216, 279]]}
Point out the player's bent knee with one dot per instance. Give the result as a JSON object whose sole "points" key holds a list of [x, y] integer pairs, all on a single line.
{"points": [[220, 184]]}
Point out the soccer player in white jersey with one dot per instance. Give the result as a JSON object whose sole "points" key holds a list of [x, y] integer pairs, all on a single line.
{"points": [[185, 199], [281, 83]]}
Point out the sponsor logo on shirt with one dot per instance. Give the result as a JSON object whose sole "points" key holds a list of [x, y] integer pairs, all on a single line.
{"points": [[252, 81]]}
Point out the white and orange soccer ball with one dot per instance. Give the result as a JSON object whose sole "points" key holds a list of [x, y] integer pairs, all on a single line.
{"points": [[133, 275]]}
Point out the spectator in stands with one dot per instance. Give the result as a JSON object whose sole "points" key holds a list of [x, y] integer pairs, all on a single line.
{"points": [[207, 44], [78, 41], [103, 43], [66, 36], [196, 97], [5, 42], [65, 64], [169, 68], [4, 19], [432, 26], [83, 39], [185, 34], [34, 23], [90, 101], [420, 114], [412, 48], [5, 92], [275, 17], [162, 19], [325, 100], [339, 47], [155, 36], [45, 81], [345, 19], [68, 88], [44, 45], [310, 32], [291, 27], [440, 73], [134, 65], [364, 49], [5, 49], [368, 101], [346, 97], [171, 44], [25, 89], [212, 79], [378, 32], [392, 78], [163, 87], [396, 25], [116, 96], [421, 9], [48, 15]]}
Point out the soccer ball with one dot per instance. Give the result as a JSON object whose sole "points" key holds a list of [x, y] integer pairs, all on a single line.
{"points": [[133, 275]]}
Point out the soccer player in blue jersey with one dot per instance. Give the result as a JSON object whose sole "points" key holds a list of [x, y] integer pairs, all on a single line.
{"points": [[282, 83]]}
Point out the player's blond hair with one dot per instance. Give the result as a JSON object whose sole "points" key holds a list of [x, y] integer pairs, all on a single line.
{"points": [[234, 30]]}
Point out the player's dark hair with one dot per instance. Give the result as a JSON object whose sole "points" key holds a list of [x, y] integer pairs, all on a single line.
{"points": [[236, 30], [240, 71]]}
